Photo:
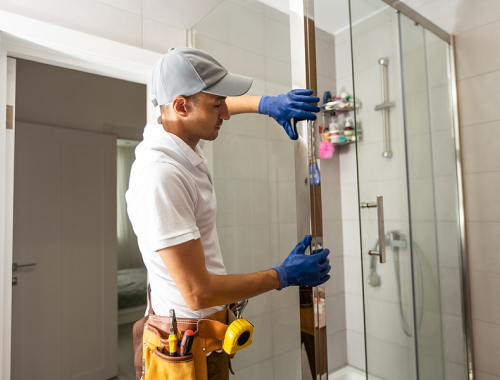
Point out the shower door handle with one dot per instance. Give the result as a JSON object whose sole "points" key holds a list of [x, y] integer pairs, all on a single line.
{"points": [[381, 229]]}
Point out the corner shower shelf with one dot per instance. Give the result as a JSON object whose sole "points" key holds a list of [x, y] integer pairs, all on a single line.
{"points": [[339, 107]]}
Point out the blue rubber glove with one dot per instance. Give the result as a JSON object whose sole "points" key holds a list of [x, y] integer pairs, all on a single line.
{"points": [[304, 270], [295, 104]]}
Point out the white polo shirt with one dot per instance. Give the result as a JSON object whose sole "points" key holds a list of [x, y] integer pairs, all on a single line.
{"points": [[171, 200]]}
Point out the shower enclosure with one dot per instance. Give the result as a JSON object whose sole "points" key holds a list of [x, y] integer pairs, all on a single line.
{"points": [[387, 204]]}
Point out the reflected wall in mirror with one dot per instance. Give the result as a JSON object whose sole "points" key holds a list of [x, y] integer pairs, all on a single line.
{"points": [[252, 162]]}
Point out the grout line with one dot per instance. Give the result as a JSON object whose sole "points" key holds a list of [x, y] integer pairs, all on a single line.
{"points": [[489, 323], [479, 124], [484, 271], [477, 27], [478, 75], [482, 172]]}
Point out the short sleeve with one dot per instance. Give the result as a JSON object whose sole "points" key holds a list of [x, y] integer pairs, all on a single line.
{"points": [[167, 200]]}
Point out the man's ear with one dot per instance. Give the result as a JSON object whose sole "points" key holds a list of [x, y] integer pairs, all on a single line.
{"points": [[179, 106]]}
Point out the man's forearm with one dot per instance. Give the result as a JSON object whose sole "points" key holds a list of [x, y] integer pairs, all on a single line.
{"points": [[222, 290], [243, 104]]}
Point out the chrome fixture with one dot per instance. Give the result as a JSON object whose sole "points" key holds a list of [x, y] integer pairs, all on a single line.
{"points": [[380, 218], [384, 107]]}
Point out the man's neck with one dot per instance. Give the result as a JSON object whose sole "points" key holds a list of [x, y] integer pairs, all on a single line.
{"points": [[191, 143]]}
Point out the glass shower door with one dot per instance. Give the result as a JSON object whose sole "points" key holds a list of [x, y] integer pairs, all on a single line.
{"points": [[397, 195], [382, 190]]}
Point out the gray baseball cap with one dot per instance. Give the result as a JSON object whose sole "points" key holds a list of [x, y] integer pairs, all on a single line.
{"points": [[187, 71]]}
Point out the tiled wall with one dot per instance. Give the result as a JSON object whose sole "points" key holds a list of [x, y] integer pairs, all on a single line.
{"points": [[132, 22], [478, 71], [254, 177]]}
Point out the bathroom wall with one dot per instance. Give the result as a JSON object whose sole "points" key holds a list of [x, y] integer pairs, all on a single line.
{"points": [[254, 177], [478, 71], [144, 24]]}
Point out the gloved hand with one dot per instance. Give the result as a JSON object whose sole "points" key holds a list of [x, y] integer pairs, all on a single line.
{"points": [[295, 104], [304, 270]]}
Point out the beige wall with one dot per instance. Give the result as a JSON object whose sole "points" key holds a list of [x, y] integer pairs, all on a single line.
{"points": [[67, 98], [478, 71]]}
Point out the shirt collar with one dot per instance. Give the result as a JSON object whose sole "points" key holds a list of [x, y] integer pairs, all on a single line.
{"points": [[195, 157]]}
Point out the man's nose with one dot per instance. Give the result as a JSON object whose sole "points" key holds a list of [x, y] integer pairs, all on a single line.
{"points": [[224, 111]]}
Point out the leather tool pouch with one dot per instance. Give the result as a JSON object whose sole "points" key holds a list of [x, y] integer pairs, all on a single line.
{"points": [[151, 356]]}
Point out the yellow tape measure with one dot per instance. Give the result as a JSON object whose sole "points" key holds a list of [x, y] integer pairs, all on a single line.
{"points": [[238, 335]]}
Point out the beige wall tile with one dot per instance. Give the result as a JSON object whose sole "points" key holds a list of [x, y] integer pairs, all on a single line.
{"points": [[477, 97], [486, 337], [478, 51], [485, 300], [483, 243], [481, 198], [480, 151], [480, 375]]}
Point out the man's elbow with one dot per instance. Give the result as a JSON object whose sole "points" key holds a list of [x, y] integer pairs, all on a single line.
{"points": [[198, 301]]}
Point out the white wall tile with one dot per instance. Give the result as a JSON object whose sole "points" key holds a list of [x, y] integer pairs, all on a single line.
{"points": [[451, 291], [335, 313], [449, 244], [350, 238], [277, 40], [278, 72], [133, 6], [160, 37], [286, 330], [257, 371], [332, 237], [240, 22], [486, 340], [335, 285], [353, 277], [354, 312], [325, 58], [389, 361], [245, 62], [287, 365], [285, 298], [337, 350], [260, 349], [212, 46], [454, 371], [356, 349]]}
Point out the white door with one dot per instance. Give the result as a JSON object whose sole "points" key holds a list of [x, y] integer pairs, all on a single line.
{"points": [[64, 309]]}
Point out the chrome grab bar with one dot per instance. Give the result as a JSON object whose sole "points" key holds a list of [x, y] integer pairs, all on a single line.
{"points": [[384, 107], [381, 228]]}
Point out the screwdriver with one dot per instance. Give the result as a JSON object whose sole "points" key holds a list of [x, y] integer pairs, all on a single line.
{"points": [[187, 342], [172, 338]]}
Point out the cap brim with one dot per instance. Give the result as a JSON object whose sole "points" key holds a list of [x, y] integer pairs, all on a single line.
{"points": [[230, 85]]}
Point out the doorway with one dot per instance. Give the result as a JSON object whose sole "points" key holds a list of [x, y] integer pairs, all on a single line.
{"points": [[78, 105]]}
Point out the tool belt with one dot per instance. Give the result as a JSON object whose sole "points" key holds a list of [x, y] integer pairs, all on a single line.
{"points": [[152, 360]]}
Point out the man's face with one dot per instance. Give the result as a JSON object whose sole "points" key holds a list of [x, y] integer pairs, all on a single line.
{"points": [[208, 113]]}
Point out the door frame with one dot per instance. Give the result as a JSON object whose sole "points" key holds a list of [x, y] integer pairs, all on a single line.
{"points": [[22, 37]]}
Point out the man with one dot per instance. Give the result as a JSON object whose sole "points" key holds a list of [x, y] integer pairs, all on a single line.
{"points": [[171, 200]]}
